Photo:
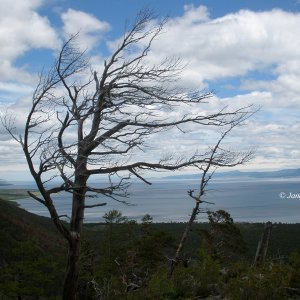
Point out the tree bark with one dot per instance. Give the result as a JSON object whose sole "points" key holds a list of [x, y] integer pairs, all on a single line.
{"points": [[116, 119], [72, 269], [263, 244], [184, 237]]}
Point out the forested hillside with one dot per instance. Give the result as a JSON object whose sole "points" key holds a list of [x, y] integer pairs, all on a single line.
{"points": [[122, 259]]}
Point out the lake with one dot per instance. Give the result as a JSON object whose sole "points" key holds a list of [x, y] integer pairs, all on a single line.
{"points": [[167, 201]]}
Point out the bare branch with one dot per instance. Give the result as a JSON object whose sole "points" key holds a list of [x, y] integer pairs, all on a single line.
{"points": [[95, 205], [36, 198], [139, 176], [83, 123]]}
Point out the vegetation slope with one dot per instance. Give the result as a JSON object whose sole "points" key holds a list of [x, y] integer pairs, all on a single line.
{"points": [[125, 260]]}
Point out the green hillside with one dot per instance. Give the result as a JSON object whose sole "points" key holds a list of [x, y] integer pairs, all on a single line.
{"points": [[32, 260], [31, 254], [18, 224]]}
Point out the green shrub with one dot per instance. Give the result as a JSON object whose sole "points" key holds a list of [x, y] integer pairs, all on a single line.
{"points": [[294, 263], [263, 283]]}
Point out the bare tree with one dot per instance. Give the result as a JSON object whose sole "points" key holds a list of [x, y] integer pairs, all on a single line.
{"points": [[83, 123], [215, 157], [262, 247]]}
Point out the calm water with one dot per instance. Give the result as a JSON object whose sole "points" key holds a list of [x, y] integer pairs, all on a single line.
{"points": [[168, 201]]}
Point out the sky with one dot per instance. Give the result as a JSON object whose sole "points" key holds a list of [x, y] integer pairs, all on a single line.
{"points": [[245, 51]]}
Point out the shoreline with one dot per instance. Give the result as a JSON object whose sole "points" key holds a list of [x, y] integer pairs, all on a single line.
{"points": [[101, 223]]}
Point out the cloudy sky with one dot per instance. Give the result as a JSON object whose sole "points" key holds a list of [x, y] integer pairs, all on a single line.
{"points": [[246, 51]]}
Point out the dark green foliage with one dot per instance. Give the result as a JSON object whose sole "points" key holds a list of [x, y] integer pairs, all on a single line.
{"points": [[31, 254], [294, 263], [30, 272], [123, 259], [198, 280], [263, 283], [17, 224], [87, 286], [223, 239], [159, 287], [126, 254]]}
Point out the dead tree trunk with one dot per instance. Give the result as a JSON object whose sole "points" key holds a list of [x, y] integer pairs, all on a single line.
{"points": [[262, 246], [74, 242], [113, 113], [72, 269], [205, 178], [188, 228]]}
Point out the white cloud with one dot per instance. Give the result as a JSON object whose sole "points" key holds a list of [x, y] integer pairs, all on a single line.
{"points": [[223, 48], [241, 45], [194, 15], [90, 28], [22, 29], [231, 45], [14, 88]]}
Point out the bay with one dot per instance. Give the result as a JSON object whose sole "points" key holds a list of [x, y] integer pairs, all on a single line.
{"points": [[168, 201]]}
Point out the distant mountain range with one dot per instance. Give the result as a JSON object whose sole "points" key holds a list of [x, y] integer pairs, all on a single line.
{"points": [[286, 173]]}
